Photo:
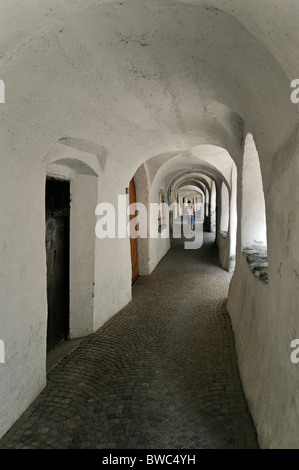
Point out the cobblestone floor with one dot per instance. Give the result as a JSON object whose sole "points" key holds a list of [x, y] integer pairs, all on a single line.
{"points": [[161, 374]]}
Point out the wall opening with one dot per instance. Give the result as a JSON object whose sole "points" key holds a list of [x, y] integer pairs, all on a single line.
{"points": [[253, 224], [160, 211], [253, 218], [83, 195], [224, 217], [58, 260]]}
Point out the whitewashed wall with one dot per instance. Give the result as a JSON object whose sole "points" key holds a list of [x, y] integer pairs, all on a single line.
{"points": [[82, 71], [265, 316], [84, 191]]}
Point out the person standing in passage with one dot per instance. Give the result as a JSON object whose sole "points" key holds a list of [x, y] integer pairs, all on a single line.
{"points": [[190, 211]]}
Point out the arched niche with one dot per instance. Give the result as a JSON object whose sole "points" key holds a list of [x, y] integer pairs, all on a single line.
{"points": [[253, 220]]}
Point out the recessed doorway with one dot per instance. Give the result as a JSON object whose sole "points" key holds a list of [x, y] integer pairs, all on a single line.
{"points": [[58, 260]]}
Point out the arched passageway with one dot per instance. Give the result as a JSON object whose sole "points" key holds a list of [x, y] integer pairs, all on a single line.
{"points": [[170, 93], [161, 374]]}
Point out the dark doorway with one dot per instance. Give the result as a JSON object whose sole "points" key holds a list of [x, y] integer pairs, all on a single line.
{"points": [[57, 252], [133, 241]]}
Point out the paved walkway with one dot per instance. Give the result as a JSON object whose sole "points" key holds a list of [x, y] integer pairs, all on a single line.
{"points": [[161, 374]]}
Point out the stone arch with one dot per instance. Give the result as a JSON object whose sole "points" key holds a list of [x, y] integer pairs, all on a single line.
{"points": [[72, 159], [221, 195], [199, 193], [198, 180]]}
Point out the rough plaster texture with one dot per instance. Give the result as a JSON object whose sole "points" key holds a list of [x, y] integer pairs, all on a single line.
{"points": [[23, 293], [82, 254], [117, 84], [265, 316], [141, 181], [224, 217]]}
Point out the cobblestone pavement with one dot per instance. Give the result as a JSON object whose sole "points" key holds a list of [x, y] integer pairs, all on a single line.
{"points": [[161, 374]]}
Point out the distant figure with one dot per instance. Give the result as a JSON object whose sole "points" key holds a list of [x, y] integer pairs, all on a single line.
{"points": [[190, 211]]}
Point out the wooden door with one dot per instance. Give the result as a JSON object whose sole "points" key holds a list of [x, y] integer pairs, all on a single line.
{"points": [[133, 241], [57, 253]]}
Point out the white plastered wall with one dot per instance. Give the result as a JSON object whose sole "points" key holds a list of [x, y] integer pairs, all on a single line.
{"points": [[223, 222], [67, 73], [22, 290], [224, 215], [82, 254], [254, 228], [265, 316], [113, 269], [158, 246], [142, 195]]}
